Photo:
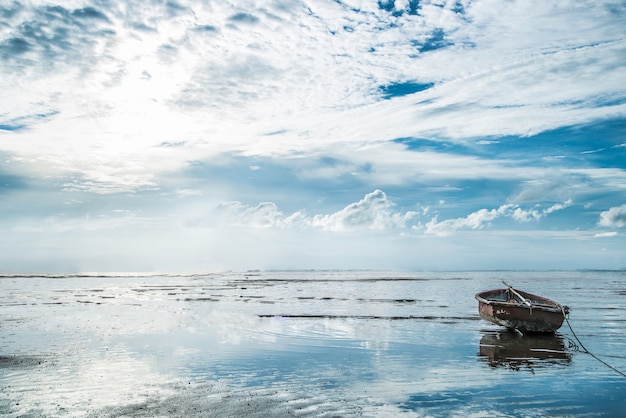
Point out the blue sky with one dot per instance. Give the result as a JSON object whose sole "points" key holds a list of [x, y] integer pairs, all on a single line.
{"points": [[214, 135]]}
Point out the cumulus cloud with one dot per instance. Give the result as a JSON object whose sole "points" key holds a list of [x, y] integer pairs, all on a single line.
{"points": [[528, 215], [475, 220], [374, 211], [614, 217], [483, 217]]}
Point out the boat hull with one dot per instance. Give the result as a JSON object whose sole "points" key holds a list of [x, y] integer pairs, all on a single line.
{"points": [[502, 308]]}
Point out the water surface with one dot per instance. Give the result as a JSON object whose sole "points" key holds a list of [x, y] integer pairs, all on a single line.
{"points": [[305, 344]]}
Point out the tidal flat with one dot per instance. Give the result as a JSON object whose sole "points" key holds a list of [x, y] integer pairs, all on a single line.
{"points": [[304, 343]]}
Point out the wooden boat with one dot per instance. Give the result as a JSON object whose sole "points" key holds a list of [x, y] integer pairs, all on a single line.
{"points": [[520, 310]]}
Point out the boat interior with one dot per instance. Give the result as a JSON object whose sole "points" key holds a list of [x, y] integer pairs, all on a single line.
{"points": [[510, 296]]}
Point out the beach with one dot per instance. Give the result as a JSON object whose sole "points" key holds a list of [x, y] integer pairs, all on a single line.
{"points": [[304, 343]]}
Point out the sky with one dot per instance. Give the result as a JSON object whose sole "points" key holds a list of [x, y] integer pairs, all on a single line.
{"points": [[187, 136]]}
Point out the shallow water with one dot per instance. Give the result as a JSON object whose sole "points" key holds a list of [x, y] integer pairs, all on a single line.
{"points": [[305, 344]]}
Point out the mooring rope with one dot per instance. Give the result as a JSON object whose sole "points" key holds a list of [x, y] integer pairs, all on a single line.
{"points": [[585, 349]]}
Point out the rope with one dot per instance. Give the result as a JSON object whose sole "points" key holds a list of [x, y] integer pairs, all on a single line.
{"points": [[585, 349]]}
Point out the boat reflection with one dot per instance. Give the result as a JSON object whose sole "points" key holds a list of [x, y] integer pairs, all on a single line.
{"points": [[510, 349]]}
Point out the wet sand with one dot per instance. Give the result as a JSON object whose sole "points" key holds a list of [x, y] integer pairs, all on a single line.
{"points": [[304, 344]]}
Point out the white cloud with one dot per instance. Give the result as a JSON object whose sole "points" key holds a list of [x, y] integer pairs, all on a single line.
{"points": [[302, 69], [605, 235], [558, 206], [475, 220], [614, 217], [522, 215], [483, 217], [264, 215], [374, 211]]}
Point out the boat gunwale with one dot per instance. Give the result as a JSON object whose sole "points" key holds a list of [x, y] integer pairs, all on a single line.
{"points": [[548, 306]]}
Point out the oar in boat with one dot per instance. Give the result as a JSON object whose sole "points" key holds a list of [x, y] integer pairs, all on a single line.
{"points": [[515, 292]]}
